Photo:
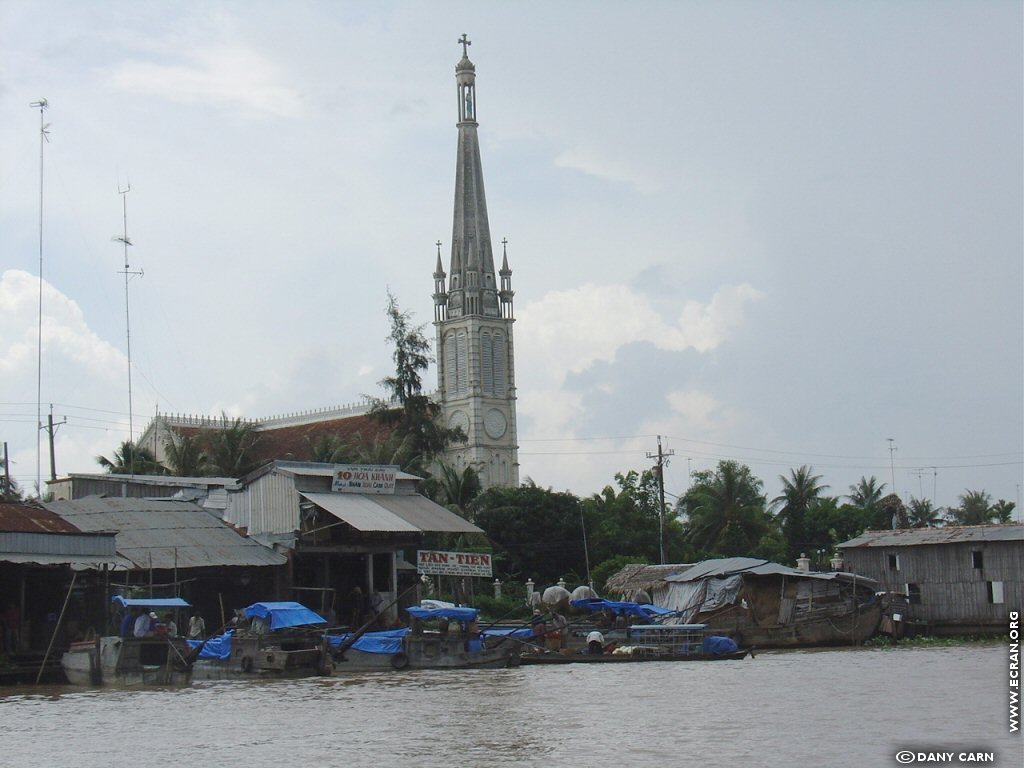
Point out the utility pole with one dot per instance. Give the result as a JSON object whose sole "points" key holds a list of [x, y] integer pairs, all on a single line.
{"points": [[7, 473], [128, 274], [892, 464], [51, 430], [659, 470]]}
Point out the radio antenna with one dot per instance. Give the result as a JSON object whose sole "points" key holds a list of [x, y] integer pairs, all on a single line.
{"points": [[41, 105], [128, 275]]}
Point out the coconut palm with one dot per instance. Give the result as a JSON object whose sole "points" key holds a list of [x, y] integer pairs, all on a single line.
{"points": [[185, 454], [232, 448], [866, 496], [131, 459], [799, 490], [975, 509], [456, 490], [922, 514], [725, 510]]}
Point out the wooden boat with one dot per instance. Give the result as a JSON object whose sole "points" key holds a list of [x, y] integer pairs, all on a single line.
{"points": [[440, 636], [647, 642], [276, 639], [125, 661]]}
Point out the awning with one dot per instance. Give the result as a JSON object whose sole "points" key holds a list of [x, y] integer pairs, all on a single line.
{"points": [[84, 561], [398, 513], [360, 512]]}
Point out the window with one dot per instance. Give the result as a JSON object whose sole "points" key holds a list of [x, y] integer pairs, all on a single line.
{"points": [[995, 592], [894, 562], [978, 559], [914, 594]]}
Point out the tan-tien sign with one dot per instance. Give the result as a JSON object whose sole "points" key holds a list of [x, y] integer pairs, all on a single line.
{"points": [[434, 563]]}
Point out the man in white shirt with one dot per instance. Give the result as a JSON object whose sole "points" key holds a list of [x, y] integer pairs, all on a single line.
{"points": [[142, 624]]}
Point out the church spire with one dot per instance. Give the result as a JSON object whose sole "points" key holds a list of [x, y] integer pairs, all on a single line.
{"points": [[472, 288]]}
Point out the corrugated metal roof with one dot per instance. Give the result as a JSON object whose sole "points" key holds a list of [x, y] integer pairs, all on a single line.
{"points": [[31, 519], [951, 534], [425, 514], [361, 512], [401, 513], [161, 480], [166, 534]]}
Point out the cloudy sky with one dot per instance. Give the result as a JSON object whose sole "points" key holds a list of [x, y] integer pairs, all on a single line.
{"points": [[777, 232]]}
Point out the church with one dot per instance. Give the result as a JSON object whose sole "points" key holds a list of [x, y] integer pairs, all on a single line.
{"points": [[473, 318]]}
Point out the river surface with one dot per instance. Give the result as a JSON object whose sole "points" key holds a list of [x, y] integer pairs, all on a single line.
{"points": [[798, 708]]}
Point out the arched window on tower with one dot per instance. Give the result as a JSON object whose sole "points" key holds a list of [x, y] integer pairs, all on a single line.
{"points": [[487, 363], [461, 364], [500, 365]]}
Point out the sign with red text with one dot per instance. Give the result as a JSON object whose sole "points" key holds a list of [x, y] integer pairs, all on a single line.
{"points": [[363, 478], [434, 563]]}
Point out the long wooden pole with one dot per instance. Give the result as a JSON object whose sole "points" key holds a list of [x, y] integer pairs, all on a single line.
{"points": [[56, 629]]}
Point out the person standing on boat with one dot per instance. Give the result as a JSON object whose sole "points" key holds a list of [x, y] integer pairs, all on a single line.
{"points": [[127, 623], [555, 638], [196, 627], [172, 628], [142, 625]]}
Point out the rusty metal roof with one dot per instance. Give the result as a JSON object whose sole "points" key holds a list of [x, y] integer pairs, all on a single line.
{"points": [[28, 518], [165, 534], [950, 534]]}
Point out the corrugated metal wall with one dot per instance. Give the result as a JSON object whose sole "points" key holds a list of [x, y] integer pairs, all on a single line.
{"points": [[268, 505], [952, 589]]}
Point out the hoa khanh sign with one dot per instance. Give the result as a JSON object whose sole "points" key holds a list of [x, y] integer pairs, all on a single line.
{"points": [[434, 563], [363, 478]]}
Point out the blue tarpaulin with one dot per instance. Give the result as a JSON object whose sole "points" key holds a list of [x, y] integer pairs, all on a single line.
{"points": [[150, 602], [218, 647], [715, 645], [452, 612], [285, 614], [388, 641], [619, 608]]}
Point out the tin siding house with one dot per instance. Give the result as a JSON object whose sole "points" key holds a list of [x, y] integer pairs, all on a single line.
{"points": [[957, 580]]}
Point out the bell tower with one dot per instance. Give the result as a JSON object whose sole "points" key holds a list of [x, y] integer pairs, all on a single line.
{"points": [[473, 316]]}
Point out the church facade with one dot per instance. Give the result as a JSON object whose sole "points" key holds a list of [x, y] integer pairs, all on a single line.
{"points": [[473, 318]]}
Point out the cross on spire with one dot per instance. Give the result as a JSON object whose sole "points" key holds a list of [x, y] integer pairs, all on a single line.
{"points": [[464, 42]]}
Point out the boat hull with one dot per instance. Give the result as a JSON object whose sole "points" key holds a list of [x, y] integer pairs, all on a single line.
{"points": [[624, 658], [127, 662], [430, 652]]}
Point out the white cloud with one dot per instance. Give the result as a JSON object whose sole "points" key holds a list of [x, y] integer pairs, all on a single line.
{"points": [[230, 76], [66, 335], [598, 164]]}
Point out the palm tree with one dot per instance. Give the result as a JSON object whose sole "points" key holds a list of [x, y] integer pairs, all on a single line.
{"points": [[328, 449], [232, 448], [185, 454], [799, 490], [1002, 511], [975, 509], [130, 459], [922, 514], [866, 496], [725, 510], [456, 490]]}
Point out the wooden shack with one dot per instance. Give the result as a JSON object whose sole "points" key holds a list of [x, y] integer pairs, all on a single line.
{"points": [[954, 580]]}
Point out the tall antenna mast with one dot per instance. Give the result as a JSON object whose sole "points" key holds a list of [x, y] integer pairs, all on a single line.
{"points": [[128, 275], [41, 105]]}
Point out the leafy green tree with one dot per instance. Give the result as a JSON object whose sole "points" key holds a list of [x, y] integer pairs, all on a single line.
{"points": [[801, 489], [132, 459], [605, 570], [725, 511], [416, 417], [866, 496], [922, 514], [536, 532], [626, 519], [186, 456], [232, 448]]}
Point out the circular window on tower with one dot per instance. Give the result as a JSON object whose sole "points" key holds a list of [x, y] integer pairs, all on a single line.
{"points": [[495, 423], [459, 420]]}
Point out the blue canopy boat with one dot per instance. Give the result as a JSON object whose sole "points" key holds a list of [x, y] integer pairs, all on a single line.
{"points": [[158, 658], [276, 639], [439, 636]]}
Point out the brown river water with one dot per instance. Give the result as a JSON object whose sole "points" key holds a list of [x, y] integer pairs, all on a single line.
{"points": [[797, 708]]}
